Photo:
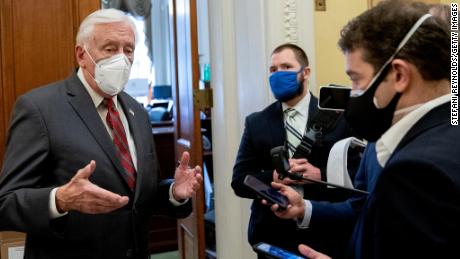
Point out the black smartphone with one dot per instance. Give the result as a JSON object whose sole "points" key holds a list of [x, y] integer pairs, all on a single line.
{"points": [[268, 193], [333, 97], [275, 252]]}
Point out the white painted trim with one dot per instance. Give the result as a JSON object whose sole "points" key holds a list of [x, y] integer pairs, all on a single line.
{"points": [[242, 35], [231, 212]]}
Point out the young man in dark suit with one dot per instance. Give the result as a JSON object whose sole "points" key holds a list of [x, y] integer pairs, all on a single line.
{"points": [[404, 105], [272, 127], [102, 210]]}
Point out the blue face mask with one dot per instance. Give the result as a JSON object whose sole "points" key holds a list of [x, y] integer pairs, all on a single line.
{"points": [[285, 86]]}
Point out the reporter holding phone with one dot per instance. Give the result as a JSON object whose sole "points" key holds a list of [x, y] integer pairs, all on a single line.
{"points": [[283, 123], [330, 214], [413, 210]]}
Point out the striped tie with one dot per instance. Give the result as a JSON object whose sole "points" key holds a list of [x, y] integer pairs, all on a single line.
{"points": [[121, 143], [293, 136]]}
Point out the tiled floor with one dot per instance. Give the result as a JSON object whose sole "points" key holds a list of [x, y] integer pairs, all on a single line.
{"points": [[167, 255]]}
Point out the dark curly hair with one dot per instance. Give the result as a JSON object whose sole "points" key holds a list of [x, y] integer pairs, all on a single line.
{"points": [[379, 30]]}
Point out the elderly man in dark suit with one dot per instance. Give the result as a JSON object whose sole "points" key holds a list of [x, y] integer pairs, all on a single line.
{"points": [[404, 104], [103, 209], [283, 123]]}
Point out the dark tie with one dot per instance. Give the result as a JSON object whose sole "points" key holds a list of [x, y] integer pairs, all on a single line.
{"points": [[293, 135], [120, 142]]}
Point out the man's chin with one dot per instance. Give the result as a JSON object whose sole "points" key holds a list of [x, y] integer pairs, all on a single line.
{"points": [[287, 99]]}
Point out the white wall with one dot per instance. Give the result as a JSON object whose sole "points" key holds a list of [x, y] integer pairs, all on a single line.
{"points": [[203, 31], [160, 42], [242, 36]]}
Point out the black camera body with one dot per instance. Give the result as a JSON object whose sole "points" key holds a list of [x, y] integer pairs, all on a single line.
{"points": [[281, 163]]}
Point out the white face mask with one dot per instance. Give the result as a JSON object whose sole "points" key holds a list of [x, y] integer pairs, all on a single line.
{"points": [[111, 74]]}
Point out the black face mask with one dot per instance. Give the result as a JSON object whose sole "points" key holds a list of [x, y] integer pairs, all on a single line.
{"points": [[364, 118]]}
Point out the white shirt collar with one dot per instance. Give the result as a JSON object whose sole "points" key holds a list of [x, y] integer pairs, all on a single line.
{"points": [[301, 107], [387, 144], [95, 97]]}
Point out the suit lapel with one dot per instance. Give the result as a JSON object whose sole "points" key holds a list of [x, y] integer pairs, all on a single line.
{"points": [[134, 127], [312, 108], [275, 121], [433, 118], [81, 102]]}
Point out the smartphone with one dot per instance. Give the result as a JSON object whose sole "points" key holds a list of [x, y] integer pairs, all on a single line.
{"points": [[268, 193], [333, 97], [274, 252]]}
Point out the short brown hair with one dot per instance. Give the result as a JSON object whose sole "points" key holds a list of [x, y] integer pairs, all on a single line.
{"points": [[379, 30], [298, 53]]}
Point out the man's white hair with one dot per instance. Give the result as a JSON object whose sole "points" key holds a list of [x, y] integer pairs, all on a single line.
{"points": [[100, 17]]}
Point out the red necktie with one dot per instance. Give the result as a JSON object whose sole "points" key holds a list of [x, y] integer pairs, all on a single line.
{"points": [[121, 143]]}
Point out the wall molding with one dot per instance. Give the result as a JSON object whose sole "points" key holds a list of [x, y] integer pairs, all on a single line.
{"points": [[290, 21]]}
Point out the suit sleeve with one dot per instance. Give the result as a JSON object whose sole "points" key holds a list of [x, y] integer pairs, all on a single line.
{"points": [[246, 164], [417, 209], [160, 202], [166, 207], [345, 213], [24, 194]]}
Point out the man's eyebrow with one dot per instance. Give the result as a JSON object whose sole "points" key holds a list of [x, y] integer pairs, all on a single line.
{"points": [[106, 43], [284, 64], [109, 42]]}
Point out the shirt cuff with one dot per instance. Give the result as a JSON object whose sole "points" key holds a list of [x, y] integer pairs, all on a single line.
{"points": [[305, 222], [171, 197], [54, 213]]}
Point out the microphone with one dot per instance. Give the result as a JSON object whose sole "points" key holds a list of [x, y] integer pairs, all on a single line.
{"points": [[281, 163]]}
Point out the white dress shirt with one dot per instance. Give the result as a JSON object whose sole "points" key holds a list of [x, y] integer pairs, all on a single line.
{"points": [[102, 111], [302, 107], [387, 144]]}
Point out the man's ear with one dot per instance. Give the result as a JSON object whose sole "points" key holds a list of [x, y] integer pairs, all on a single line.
{"points": [[79, 54], [306, 73], [402, 74]]}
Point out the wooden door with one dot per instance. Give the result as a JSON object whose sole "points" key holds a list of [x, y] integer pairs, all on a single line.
{"points": [[37, 40], [187, 117]]}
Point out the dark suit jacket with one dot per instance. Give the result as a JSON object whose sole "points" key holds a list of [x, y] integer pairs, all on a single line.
{"points": [[340, 217], [263, 131], [55, 130], [414, 210]]}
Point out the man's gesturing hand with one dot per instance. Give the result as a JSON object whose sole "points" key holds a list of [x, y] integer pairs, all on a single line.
{"points": [[187, 180], [79, 194]]}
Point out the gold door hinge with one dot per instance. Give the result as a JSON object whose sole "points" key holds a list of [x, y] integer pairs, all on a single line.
{"points": [[202, 98]]}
